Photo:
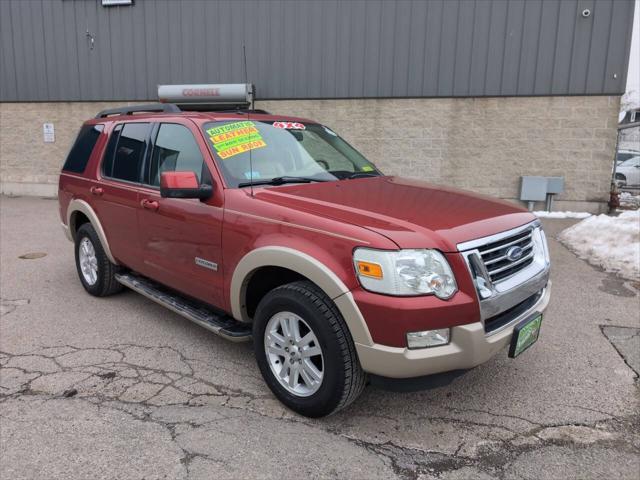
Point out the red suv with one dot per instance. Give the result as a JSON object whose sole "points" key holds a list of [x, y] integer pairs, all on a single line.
{"points": [[272, 228]]}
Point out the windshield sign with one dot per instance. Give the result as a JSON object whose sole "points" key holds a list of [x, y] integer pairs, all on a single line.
{"points": [[258, 151]]}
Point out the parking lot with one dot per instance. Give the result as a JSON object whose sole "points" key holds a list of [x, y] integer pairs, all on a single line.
{"points": [[122, 388]]}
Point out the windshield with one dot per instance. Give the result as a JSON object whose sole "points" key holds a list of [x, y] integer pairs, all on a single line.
{"points": [[632, 162], [283, 149]]}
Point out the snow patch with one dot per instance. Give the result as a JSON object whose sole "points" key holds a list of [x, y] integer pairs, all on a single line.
{"points": [[543, 214], [612, 243], [629, 200]]}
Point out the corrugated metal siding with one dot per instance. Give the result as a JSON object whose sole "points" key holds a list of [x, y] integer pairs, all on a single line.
{"points": [[314, 49]]}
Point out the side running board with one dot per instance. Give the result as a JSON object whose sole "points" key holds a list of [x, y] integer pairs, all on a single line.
{"points": [[222, 325]]}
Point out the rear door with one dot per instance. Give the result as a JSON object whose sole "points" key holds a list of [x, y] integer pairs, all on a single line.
{"points": [[116, 196], [181, 238]]}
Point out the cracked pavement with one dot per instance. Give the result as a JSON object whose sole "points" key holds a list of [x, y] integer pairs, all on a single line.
{"points": [[123, 388]]}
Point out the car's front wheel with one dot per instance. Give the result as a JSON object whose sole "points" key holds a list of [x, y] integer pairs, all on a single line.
{"points": [[305, 352], [96, 272]]}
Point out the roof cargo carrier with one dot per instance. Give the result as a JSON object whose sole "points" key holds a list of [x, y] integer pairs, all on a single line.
{"points": [[222, 97]]}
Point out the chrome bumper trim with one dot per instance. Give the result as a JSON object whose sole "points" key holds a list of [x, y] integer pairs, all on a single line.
{"points": [[499, 302], [540, 305]]}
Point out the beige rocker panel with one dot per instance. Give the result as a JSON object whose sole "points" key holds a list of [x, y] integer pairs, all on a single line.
{"points": [[82, 206], [307, 266]]}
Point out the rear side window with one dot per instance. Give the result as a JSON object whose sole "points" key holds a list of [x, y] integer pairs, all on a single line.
{"points": [[125, 152], [81, 151]]}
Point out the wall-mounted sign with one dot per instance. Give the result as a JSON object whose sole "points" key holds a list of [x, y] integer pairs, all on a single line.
{"points": [[48, 133], [111, 3]]}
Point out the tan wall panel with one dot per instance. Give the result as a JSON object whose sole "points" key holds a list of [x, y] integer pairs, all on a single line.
{"points": [[480, 144]]}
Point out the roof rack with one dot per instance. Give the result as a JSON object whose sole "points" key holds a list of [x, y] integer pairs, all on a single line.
{"points": [[153, 107], [208, 108]]}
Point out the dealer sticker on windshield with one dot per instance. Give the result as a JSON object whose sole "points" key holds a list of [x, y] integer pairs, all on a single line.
{"points": [[235, 138], [525, 334]]}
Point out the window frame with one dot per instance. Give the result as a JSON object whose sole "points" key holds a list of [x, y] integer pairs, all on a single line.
{"points": [[115, 130], [146, 170]]}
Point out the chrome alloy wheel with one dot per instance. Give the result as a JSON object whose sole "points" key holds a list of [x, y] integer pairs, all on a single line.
{"points": [[88, 261], [294, 354]]}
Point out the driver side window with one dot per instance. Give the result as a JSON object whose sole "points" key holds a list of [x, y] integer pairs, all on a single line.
{"points": [[175, 149]]}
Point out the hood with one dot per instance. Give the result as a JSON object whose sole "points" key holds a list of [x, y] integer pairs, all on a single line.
{"points": [[411, 213]]}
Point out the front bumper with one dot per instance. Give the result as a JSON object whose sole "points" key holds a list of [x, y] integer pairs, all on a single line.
{"points": [[470, 346]]}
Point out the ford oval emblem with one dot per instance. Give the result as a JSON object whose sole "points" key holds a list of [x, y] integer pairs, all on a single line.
{"points": [[514, 253]]}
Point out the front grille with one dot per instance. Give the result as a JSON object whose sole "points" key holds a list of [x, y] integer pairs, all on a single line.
{"points": [[494, 255], [494, 323]]}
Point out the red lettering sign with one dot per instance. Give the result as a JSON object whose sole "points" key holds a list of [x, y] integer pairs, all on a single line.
{"points": [[289, 125], [201, 92]]}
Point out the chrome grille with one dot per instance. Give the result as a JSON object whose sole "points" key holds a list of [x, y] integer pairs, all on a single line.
{"points": [[494, 255]]}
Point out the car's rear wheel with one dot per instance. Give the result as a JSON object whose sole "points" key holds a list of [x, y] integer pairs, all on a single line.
{"points": [[305, 352], [96, 272]]}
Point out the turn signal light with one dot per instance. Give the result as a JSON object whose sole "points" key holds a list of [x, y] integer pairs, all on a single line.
{"points": [[369, 269]]}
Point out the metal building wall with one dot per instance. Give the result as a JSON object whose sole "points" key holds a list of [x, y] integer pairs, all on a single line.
{"points": [[314, 49]]}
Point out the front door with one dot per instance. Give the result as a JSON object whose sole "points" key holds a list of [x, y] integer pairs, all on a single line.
{"points": [[181, 238]]}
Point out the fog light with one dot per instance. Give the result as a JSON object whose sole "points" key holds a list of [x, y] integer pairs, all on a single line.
{"points": [[428, 338]]}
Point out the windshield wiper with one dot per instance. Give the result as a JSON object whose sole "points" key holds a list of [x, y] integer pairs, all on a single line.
{"points": [[362, 175], [281, 181]]}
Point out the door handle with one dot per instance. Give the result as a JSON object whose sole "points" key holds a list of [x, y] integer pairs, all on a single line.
{"points": [[96, 190], [150, 204]]}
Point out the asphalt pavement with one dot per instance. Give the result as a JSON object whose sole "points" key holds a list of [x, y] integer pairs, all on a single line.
{"points": [[121, 388]]}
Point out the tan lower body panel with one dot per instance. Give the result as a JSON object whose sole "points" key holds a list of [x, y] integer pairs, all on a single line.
{"points": [[469, 347]]}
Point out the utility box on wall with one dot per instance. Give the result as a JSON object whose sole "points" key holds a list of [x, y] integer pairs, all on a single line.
{"points": [[540, 189], [533, 189]]}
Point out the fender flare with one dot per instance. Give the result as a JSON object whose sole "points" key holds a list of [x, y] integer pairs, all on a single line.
{"points": [[77, 205], [310, 268]]}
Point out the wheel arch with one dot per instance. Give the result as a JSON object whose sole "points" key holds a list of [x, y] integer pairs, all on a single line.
{"points": [[79, 212], [302, 267]]}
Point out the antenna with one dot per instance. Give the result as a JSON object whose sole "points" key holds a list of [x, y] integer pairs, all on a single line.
{"points": [[246, 81]]}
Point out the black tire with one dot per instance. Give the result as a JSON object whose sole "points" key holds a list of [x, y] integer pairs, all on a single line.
{"points": [[106, 283], [343, 379]]}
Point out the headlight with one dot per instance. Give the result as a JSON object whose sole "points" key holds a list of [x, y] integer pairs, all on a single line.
{"points": [[405, 272], [541, 239]]}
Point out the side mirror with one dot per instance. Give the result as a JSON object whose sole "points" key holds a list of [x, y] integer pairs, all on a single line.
{"points": [[183, 185]]}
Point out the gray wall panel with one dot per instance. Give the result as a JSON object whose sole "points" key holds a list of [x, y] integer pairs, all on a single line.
{"points": [[598, 50], [567, 17], [582, 38], [529, 46], [314, 48], [416, 47], [448, 40], [619, 35], [480, 51], [8, 82], [496, 43], [432, 47], [464, 48], [513, 47]]}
